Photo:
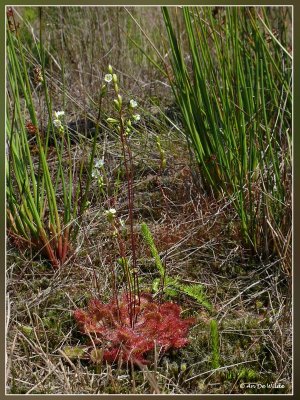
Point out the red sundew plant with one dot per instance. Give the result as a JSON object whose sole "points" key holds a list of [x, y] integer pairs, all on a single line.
{"points": [[109, 325], [128, 328]]}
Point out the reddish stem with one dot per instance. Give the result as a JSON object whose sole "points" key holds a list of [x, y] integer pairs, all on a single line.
{"points": [[125, 146]]}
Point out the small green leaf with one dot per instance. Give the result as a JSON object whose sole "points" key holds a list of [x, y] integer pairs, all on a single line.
{"points": [[74, 352], [26, 329]]}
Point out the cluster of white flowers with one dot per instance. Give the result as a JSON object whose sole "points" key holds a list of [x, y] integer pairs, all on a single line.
{"points": [[111, 77]]}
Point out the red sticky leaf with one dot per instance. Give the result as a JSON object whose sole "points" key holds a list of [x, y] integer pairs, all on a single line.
{"points": [[154, 325]]}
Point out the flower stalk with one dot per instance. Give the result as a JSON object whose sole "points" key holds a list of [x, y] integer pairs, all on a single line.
{"points": [[124, 129]]}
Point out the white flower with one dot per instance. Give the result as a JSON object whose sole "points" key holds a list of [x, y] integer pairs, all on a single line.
{"points": [[57, 123], [96, 173], [136, 117], [110, 214], [133, 103], [59, 114], [111, 211], [99, 163], [108, 78]]}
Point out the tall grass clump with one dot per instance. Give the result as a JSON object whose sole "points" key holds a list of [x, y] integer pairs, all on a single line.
{"points": [[231, 73], [42, 198]]}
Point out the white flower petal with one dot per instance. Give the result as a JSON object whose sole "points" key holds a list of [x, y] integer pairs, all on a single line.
{"points": [[136, 117], [133, 103], [59, 114], [57, 123], [99, 163], [108, 78]]}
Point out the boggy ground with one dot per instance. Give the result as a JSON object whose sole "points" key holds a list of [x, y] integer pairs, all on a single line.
{"points": [[198, 237]]}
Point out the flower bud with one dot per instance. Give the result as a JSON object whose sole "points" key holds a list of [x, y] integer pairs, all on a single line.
{"points": [[183, 367], [120, 99], [112, 121], [103, 90], [115, 232], [117, 104]]}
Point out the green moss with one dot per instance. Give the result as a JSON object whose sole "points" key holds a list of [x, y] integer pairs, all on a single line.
{"points": [[214, 340]]}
